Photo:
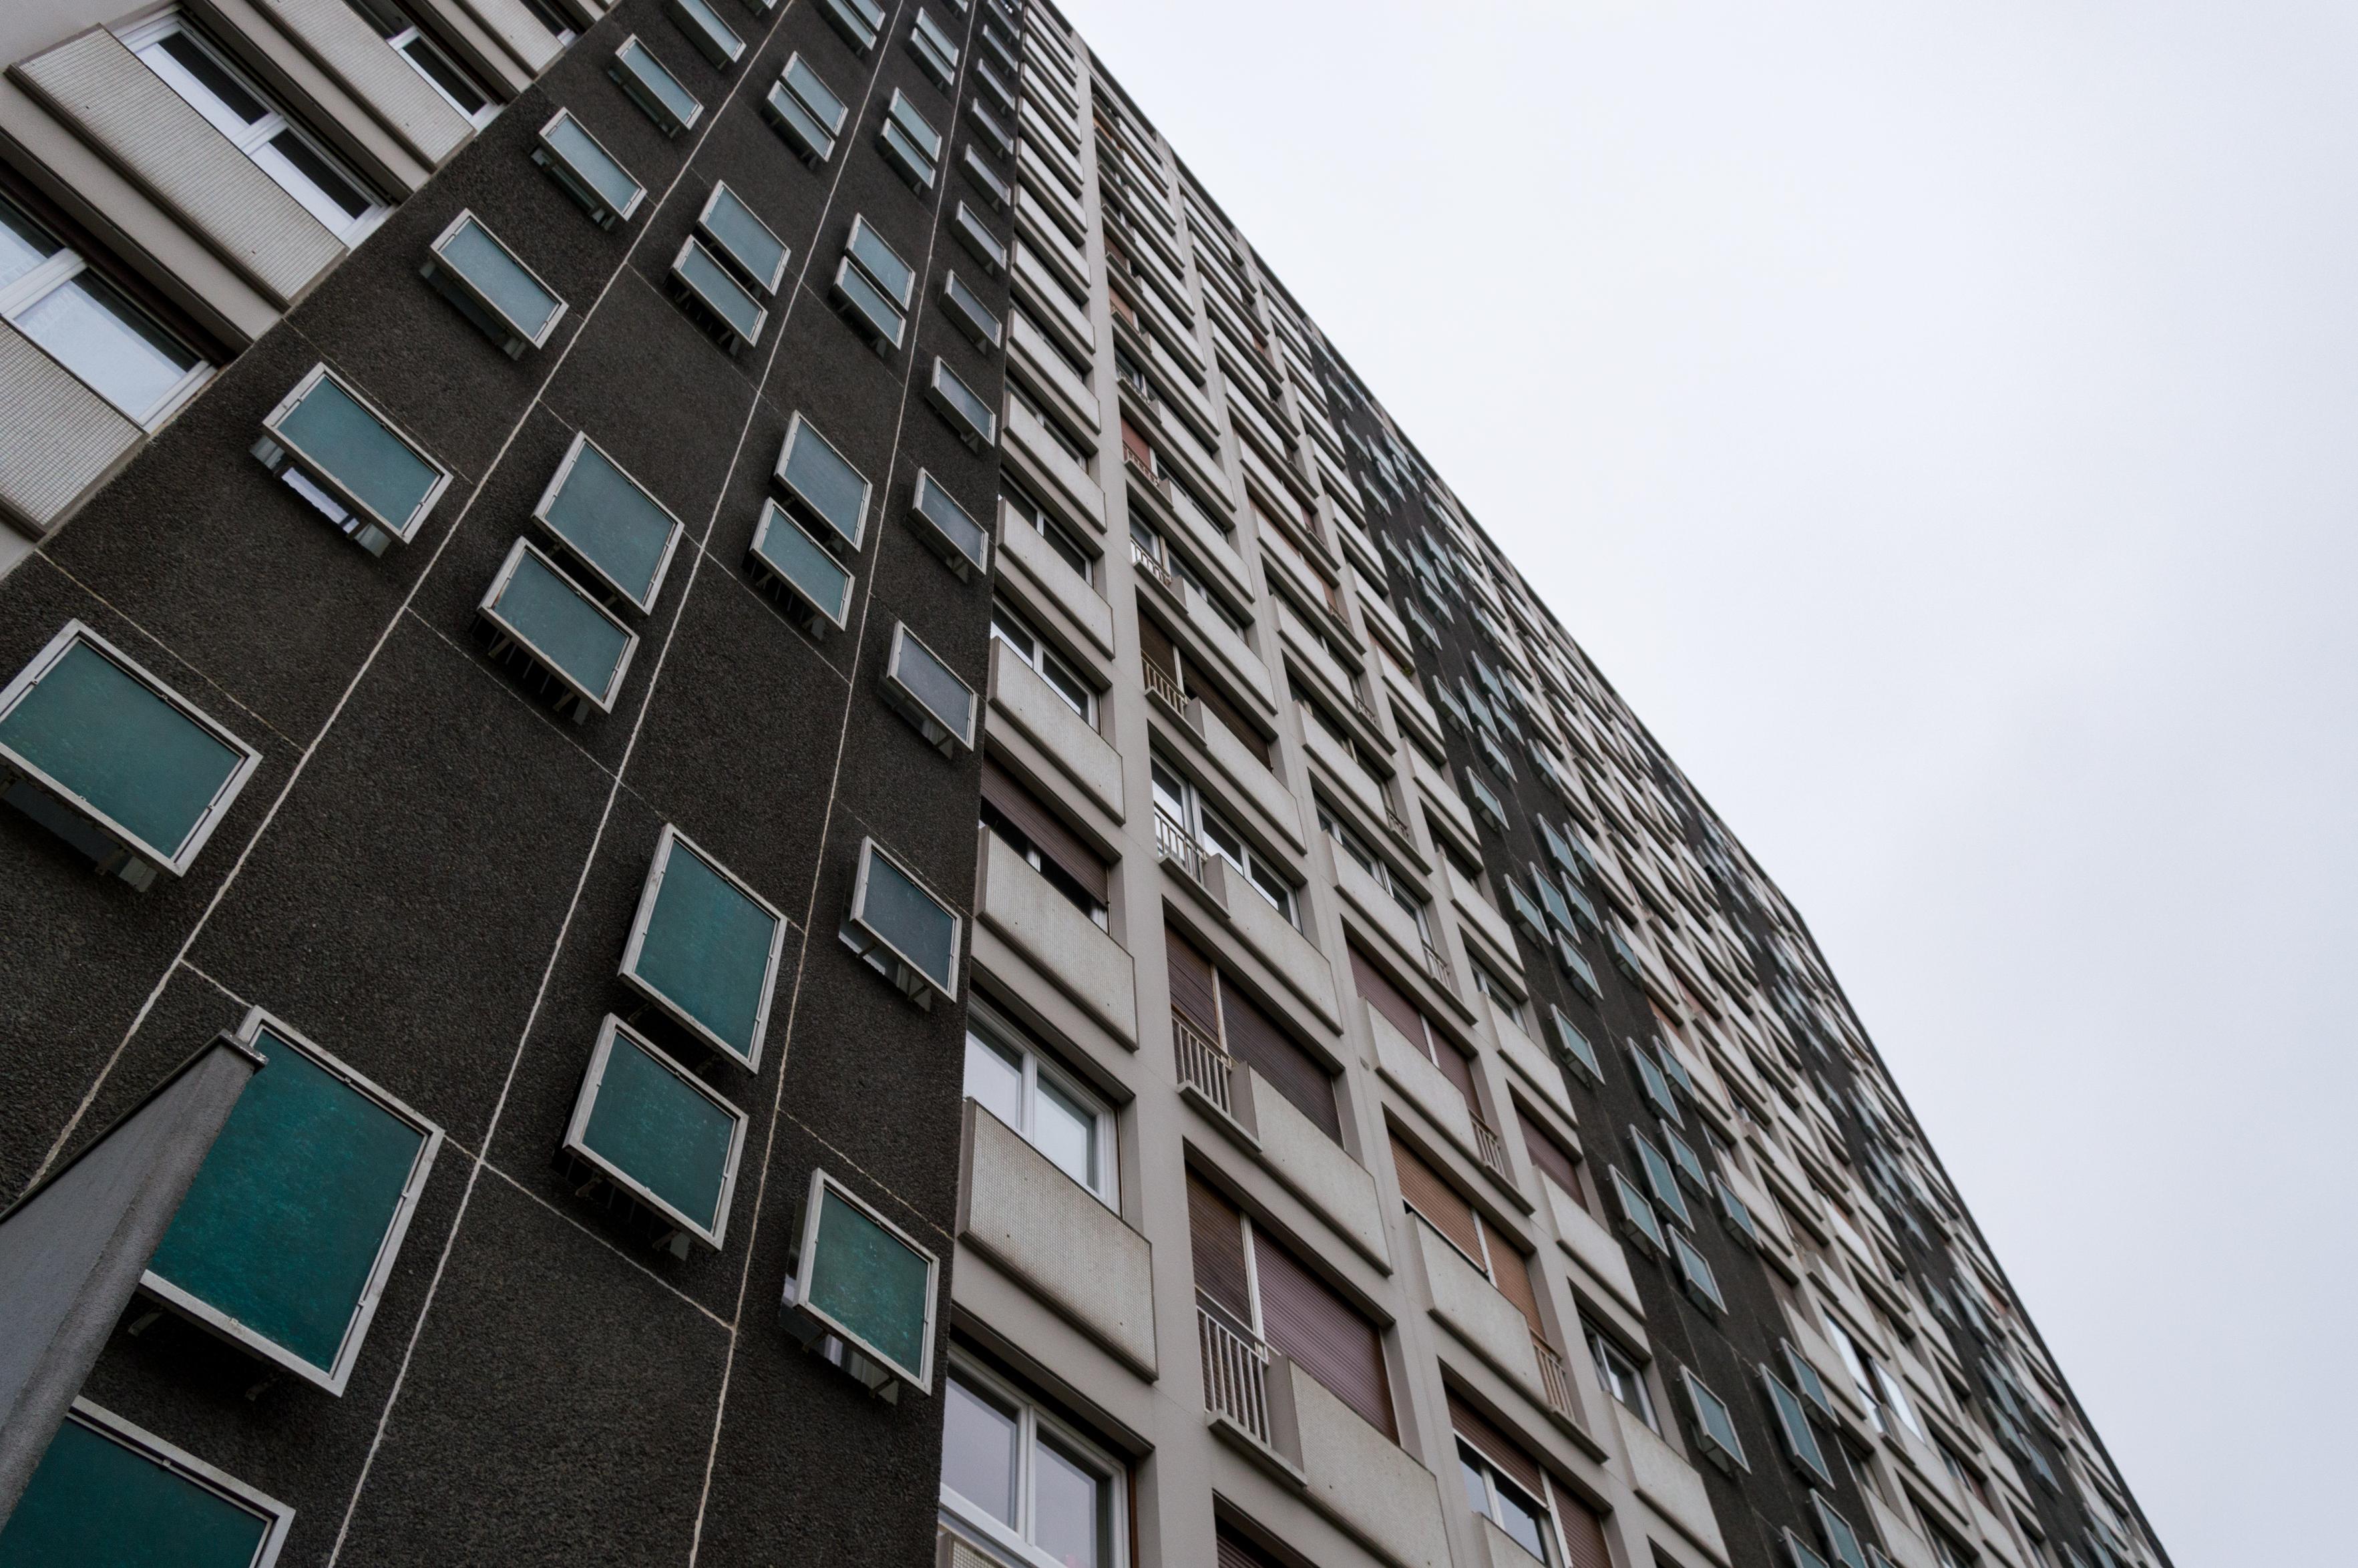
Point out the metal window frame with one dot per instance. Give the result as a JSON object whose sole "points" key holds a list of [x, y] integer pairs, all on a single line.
{"points": [[1662, 1180], [61, 267], [1837, 1530], [1735, 1212], [975, 438], [1576, 1047], [872, 328], [585, 1104], [313, 469], [940, 71], [1695, 1274], [839, 616], [556, 487], [987, 330], [728, 252], [852, 19], [905, 298], [732, 336], [929, 528], [335, 1376], [869, 849], [933, 726], [906, 158], [277, 1518], [837, 540], [919, 1378], [22, 685], [1793, 1429], [980, 242], [786, 110], [668, 843], [447, 276], [636, 82], [1638, 1220], [1715, 1448], [603, 702], [702, 26], [575, 184], [1799, 1551], [833, 127]]}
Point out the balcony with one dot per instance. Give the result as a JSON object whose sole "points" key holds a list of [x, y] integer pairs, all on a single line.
{"points": [[1028, 705], [1595, 1248], [1669, 1483], [1412, 1072], [1530, 1061], [1054, 579], [1039, 455], [1465, 1302], [1040, 926]]}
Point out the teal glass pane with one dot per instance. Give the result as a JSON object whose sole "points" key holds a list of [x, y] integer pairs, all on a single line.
{"points": [[978, 316], [952, 519], [967, 402], [934, 34], [1806, 1378], [1651, 1080], [921, 132], [1716, 1423], [1793, 1420], [712, 283], [1841, 1540], [803, 562], [1674, 1070], [870, 1281], [706, 20], [499, 279], [906, 915], [816, 95], [1738, 1214], [667, 1136], [881, 315], [898, 142], [1576, 1046], [101, 732], [596, 167], [707, 948], [1634, 1204], [933, 683], [831, 487], [616, 526], [283, 1225], [1803, 1556], [745, 237], [895, 276], [1695, 1269], [560, 624], [352, 445], [659, 83], [980, 236], [1663, 1182], [96, 1503], [1682, 1155], [803, 125], [988, 178]]}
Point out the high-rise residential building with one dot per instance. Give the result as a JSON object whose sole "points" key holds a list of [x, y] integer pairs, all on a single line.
{"points": [[753, 816]]}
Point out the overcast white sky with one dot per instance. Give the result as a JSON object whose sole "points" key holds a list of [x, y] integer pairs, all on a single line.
{"points": [[1938, 420]]}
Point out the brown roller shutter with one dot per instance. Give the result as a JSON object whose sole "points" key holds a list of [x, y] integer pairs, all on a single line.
{"points": [[1385, 999], [1458, 1069], [1499, 1449], [1584, 1533], [1512, 1275], [1155, 647], [1136, 446], [1231, 1549], [1293, 1072], [1191, 983], [1553, 1158], [1325, 1335], [1216, 1228], [1049, 834], [1215, 702], [1422, 1190]]}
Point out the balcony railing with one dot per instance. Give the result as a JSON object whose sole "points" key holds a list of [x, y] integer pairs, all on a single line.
{"points": [[1203, 1065], [1144, 468], [1146, 561], [1164, 687], [1554, 1381], [1172, 842], [1436, 968], [1235, 1376], [1491, 1147]]}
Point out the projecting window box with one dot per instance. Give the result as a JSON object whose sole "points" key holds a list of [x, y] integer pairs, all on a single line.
{"points": [[714, 299], [605, 522], [1000, 93], [934, 50], [874, 286], [948, 529], [653, 89], [862, 22], [107, 1491], [788, 561], [910, 143], [283, 1244], [586, 171], [821, 479], [1715, 1426], [112, 761], [971, 316], [980, 242], [576, 644], [468, 266], [1637, 1220], [928, 694], [901, 930], [862, 1292], [805, 111], [1574, 1048], [715, 39], [994, 190], [654, 1131], [338, 451], [974, 420], [1800, 1440], [740, 238], [1735, 1213], [993, 131], [1694, 1274], [705, 948]]}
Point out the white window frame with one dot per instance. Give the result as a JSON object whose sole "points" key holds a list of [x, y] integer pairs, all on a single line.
{"points": [[985, 1022], [1347, 838], [1602, 1351], [399, 40], [1200, 815], [62, 267], [1042, 658], [251, 139], [1013, 1544], [1550, 1536]]}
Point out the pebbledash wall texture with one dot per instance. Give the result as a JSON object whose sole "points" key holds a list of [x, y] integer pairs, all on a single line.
{"points": [[911, 891]]}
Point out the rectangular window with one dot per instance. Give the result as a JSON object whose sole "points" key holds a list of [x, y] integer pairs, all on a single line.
{"points": [[1793, 1427], [54, 298], [1574, 1048], [1656, 1088], [806, 111], [862, 22], [980, 242], [607, 523], [714, 298], [534, 608], [586, 171], [1026, 823], [1842, 1541], [972, 315], [991, 130], [740, 238], [968, 412], [1735, 1212], [655, 1130], [1022, 1483], [108, 1492], [929, 694], [1619, 1374], [715, 39], [987, 179], [1661, 1179], [818, 477], [910, 143], [114, 761], [933, 50], [1715, 1426], [1209, 1003], [437, 70], [1578, 967], [1694, 1274], [472, 269], [1798, 1553], [901, 929], [787, 558], [705, 948], [948, 529], [1009, 1077], [1637, 1218], [874, 286], [1197, 830], [339, 452], [653, 89], [864, 1279], [1028, 512], [1685, 1160]]}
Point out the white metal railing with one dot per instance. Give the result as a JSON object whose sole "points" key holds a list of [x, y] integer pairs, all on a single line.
{"points": [[1172, 842], [1146, 562], [1437, 966], [1204, 1066], [1492, 1148], [1236, 1375], [1554, 1381]]}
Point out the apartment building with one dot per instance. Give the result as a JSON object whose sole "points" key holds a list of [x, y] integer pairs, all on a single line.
{"points": [[879, 875]]}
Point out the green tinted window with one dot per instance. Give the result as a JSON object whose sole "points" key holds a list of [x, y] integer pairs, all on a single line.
{"points": [[352, 445], [1793, 1420], [816, 95], [1576, 1046], [676, 101], [800, 125], [1696, 1270], [94, 1502], [503, 281], [707, 949], [99, 731], [1717, 1426], [560, 624], [870, 1281], [783, 546], [964, 402], [596, 166], [1661, 1179], [609, 521], [745, 238], [282, 1226], [906, 914], [656, 1127], [921, 131], [713, 282], [883, 318], [825, 482], [978, 316], [1634, 1204]]}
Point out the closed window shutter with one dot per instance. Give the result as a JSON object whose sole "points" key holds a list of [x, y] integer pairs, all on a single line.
{"points": [[1323, 1333], [1215, 702], [1048, 835], [1155, 647], [1512, 1275], [1293, 1072], [1509, 1457], [1385, 999], [1191, 983], [1584, 1533], [1422, 1190], [1553, 1158], [1216, 1229], [1136, 446], [1231, 1549], [1458, 1069]]}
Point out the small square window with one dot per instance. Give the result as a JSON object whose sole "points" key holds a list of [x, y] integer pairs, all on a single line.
{"points": [[974, 419], [1842, 1541], [107, 1491], [949, 529], [1793, 1427], [739, 238], [1575, 1047], [907, 934], [1694, 1274], [593, 176], [971, 316], [980, 242], [865, 1281], [1637, 1220], [1714, 1427], [823, 480], [705, 948], [929, 694], [1661, 1179], [862, 22], [284, 1241], [333, 447], [714, 299], [607, 523], [715, 39], [785, 557], [114, 762], [655, 1130], [472, 268], [536, 610], [653, 89]]}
